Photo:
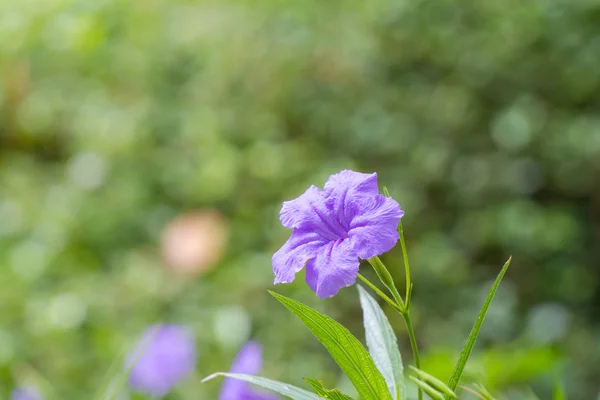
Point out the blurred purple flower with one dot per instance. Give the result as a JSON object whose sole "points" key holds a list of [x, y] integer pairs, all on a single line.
{"points": [[26, 393], [333, 228], [248, 361], [168, 355]]}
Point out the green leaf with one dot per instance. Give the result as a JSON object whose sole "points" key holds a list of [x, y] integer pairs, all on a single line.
{"points": [[484, 392], [559, 391], [530, 395], [346, 350], [434, 394], [480, 392], [433, 382], [333, 394], [382, 344], [466, 352], [279, 387]]}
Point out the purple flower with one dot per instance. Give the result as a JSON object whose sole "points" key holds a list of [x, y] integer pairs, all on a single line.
{"points": [[333, 228], [26, 393], [248, 361], [168, 356]]}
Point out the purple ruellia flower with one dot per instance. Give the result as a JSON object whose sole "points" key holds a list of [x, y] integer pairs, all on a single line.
{"points": [[26, 393], [248, 361], [168, 355], [333, 228]]}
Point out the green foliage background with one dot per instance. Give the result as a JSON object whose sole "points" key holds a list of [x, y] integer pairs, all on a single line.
{"points": [[116, 115]]}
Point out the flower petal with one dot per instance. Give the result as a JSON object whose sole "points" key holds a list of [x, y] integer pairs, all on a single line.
{"points": [[169, 356], [293, 255], [334, 268], [310, 211], [342, 188], [356, 182], [256, 395], [374, 227], [248, 361], [26, 393], [294, 212]]}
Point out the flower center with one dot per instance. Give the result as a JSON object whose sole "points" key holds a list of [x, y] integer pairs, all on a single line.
{"points": [[331, 227]]}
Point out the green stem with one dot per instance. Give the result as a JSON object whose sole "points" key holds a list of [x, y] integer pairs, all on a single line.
{"points": [[413, 343], [381, 294], [406, 265]]}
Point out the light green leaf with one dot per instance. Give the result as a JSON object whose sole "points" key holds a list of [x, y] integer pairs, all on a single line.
{"points": [[484, 392], [434, 394], [559, 391], [279, 387], [466, 352], [382, 344], [530, 395], [433, 382], [333, 394], [346, 350]]}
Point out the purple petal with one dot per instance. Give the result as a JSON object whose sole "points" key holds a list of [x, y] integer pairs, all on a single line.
{"points": [[374, 227], [333, 228], [294, 212], [169, 356], [342, 188], [311, 211], [356, 182], [26, 393], [248, 361], [255, 395], [334, 267], [293, 255]]}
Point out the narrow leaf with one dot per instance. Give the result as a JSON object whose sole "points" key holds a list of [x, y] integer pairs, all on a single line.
{"points": [[466, 352], [559, 391], [345, 349], [279, 387], [484, 392], [333, 394], [530, 395], [474, 392], [382, 344], [434, 394], [433, 382]]}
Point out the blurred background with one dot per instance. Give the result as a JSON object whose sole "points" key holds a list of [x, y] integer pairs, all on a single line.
{"points": [[146, 147]]}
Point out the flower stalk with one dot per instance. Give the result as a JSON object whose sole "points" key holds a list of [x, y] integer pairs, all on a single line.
{"points": [[406, 265], [380, 293]]}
